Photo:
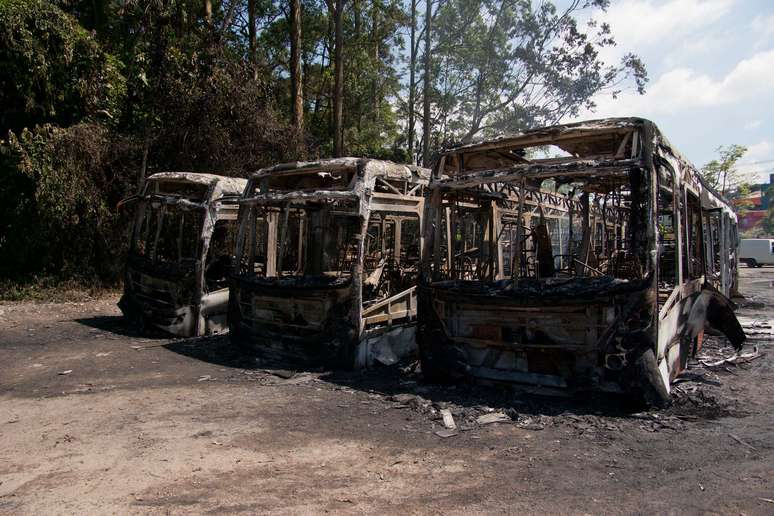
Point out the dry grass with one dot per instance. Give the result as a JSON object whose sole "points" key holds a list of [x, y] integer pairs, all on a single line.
{"points": [[54, 290]]}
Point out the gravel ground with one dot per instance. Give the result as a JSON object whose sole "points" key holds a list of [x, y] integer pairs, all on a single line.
{"points": [[96, 419]]}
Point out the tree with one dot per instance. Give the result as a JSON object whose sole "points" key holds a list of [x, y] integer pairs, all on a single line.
{"points": [[372, 101], [427, 89], [503, 65], [741, 201], [412, 93], [208, 11], [251, 47], [295, 66], [317, 73], [61, 218], [337, 11], [110, 91], [722, 173], [53, 69], [172, 93]]}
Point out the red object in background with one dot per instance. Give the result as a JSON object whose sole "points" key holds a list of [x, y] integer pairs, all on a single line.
{"points": [[751, 219]]}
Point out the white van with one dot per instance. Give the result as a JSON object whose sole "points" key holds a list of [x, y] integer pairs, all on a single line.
{"points": [[756, 252]]}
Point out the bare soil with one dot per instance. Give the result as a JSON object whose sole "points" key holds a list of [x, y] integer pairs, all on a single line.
{"points": [[96, 419]]}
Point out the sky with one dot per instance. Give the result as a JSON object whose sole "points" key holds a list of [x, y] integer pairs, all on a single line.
{"points": [[711, 70]]}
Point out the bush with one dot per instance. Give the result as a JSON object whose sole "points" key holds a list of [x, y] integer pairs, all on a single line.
{"points": [[58, 202], [53, 69], [212, 116], [75, 138]]}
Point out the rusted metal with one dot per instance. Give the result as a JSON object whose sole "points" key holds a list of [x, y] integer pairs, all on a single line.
{"points": [[327, 258], [181, 253], [578, 256]]}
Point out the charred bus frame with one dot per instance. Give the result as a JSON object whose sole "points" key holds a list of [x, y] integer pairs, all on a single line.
{"points": [[182, 252], [580, 256], [328, 257]]}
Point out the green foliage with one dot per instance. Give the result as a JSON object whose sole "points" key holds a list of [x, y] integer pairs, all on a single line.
{"points": [[53, 288], [53, 70], [187, 96], [63, 223], [742, 204], [372, 55], [211, 116], [371, 78], [503, 65], [89, 87], [54, 192], [721, 173]]}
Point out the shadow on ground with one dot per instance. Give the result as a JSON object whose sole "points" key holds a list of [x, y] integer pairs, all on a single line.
{"points": [[216, 349], [404, 380], [117, 324]]}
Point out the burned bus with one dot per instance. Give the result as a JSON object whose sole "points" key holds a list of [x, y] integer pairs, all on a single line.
{"points": [[181, 253], [573, 257], [327, 262]]}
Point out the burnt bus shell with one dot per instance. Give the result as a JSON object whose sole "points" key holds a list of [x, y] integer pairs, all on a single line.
{"points": [[630, 329], [300, 322], [562, 339], [316, 314], [177, 298], [159, 298]]}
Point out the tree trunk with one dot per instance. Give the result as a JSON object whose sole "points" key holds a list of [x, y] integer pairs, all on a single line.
{"points": [[98, 15], [474, 129], [412, 80], [323, 86], [252, 57], [426, 90], [338, 89], [295, 65], [356, 14], [144, 165], [208, 12], [377, 62], [723, 191]]}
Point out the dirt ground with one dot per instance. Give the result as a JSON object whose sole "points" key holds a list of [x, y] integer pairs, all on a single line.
{"points": [[95, 419]]}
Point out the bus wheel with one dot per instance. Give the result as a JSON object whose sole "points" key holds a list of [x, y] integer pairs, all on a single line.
{"points": [[752, 262]]}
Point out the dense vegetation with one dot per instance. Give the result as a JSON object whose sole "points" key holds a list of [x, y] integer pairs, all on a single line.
{"points": [[97, 94]]}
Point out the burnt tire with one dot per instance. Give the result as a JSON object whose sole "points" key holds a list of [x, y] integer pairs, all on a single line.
{"points": [[647, 380]]}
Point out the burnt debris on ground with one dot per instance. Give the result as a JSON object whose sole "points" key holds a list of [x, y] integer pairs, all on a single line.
{"points": [[699, 395]]}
